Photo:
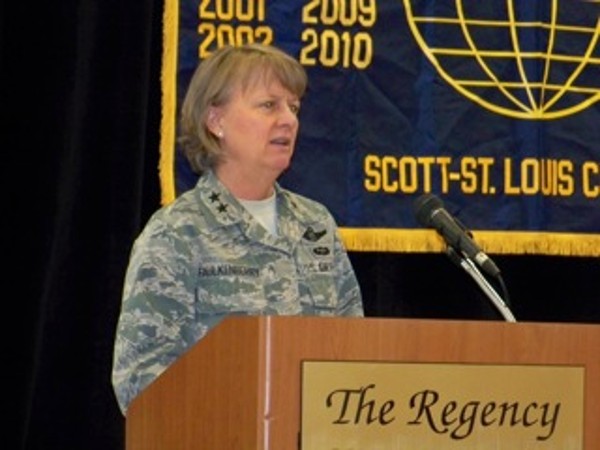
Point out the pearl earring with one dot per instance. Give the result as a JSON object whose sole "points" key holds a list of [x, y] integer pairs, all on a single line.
{"points": [[220, 134]]}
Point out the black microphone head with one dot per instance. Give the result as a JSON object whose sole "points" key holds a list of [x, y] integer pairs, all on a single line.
{"points": [[424, 207]]}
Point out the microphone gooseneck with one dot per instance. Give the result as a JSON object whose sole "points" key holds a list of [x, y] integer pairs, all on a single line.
{"points": [[462, 249]]}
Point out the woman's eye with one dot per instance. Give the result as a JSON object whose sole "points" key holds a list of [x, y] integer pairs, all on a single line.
{"points": [[295, 108]]}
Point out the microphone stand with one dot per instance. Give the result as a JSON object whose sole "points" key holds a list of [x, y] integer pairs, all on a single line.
{"points": [[469, 266]]}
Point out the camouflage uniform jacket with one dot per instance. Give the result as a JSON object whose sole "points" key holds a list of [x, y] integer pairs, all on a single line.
{"points": [[204, 257]]}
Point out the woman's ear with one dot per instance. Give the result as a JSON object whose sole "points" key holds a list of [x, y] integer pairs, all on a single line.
{"points": [[213, 121]]}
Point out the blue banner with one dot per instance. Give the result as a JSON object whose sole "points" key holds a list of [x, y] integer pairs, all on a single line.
{"points": [[493, 106]]}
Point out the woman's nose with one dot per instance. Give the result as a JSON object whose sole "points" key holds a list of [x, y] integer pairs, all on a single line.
{"points": [[289, 114]]}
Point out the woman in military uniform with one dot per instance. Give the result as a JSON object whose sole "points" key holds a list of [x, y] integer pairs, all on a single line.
{"points": [[237, 243]]}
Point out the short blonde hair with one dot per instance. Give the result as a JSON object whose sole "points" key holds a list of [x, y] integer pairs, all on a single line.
{"points": [[213, 83]]}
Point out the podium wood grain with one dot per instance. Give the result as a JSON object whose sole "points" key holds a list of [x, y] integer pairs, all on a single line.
{"points": [[239, 387]]}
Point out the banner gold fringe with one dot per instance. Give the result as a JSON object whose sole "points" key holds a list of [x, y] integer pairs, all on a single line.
{"points": [[493, 242], [169, 100]]}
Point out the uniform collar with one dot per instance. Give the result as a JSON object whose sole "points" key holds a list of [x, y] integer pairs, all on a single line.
{"points": [[227, 211]]}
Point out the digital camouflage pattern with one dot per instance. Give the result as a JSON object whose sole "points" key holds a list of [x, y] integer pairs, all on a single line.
{"points": [[204, 257]]}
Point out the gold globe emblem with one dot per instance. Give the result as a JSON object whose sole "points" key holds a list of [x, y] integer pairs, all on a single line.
{"points": [[510, 57]]}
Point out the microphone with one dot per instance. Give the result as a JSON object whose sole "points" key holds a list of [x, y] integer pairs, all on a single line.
{"points": [[430, 212]]}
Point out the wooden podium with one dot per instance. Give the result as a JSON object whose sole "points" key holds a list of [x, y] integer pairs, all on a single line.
{"points": [[240, 387]]}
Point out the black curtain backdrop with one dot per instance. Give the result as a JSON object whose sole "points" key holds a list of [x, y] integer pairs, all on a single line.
{"points": [[81, 94]]}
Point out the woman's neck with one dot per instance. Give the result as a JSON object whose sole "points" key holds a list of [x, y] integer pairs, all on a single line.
{"points": [[246, 186]]}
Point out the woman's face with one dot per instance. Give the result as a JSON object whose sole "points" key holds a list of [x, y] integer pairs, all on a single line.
{"points": [[259, 127]]}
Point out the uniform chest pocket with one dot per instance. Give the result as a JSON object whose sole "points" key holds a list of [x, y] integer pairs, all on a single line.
{"points": [[225, 288], [318, 282]]}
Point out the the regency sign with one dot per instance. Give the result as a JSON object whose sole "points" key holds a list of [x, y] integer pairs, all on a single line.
{"points": [[385, 406]]}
